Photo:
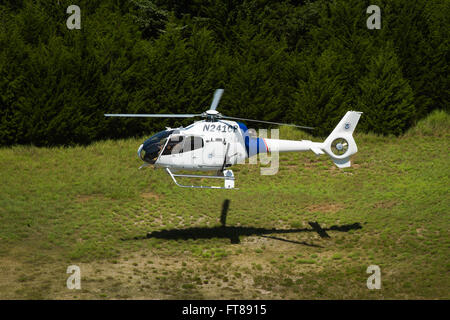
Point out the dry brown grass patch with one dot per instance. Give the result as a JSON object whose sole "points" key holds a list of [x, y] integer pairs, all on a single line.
{"points": [[325, 207], [150, 195]]}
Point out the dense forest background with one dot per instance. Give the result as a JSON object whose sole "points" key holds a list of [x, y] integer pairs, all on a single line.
{"points": [[304, 62]]}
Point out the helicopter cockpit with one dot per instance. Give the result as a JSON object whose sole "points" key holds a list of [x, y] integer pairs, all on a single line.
{"points": [[156, 145], [151, 148]]}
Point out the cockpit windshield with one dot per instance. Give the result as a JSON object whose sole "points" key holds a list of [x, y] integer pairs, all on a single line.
{"points": [[159, 137], [153, 146]]}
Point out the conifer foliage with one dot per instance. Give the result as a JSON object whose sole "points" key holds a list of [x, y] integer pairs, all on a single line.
{"points": [[304, 62]]}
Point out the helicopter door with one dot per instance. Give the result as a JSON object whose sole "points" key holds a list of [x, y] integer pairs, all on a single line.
{"points": [[173, 150], [193, 150], [214, 152]]}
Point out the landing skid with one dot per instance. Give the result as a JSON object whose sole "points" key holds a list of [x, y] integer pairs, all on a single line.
{"points": [[228, 176]]}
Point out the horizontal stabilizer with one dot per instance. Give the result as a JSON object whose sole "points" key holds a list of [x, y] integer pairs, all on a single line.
{"points": [[317, 151]]}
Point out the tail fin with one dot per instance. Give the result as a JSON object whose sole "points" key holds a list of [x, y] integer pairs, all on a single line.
{"points": [[340, 144]]}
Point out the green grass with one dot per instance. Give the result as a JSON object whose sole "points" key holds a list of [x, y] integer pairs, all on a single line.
{"points": [[90, 206]]}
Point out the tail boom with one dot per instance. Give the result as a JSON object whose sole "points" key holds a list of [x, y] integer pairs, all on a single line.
{"points": [[339, 145]]}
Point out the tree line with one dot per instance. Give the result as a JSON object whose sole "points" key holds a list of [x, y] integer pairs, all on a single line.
{"points": [[304, 62]]}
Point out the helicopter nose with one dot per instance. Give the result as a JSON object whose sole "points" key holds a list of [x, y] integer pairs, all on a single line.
{"points": [[139, 152]]}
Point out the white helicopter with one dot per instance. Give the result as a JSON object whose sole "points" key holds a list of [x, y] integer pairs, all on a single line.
{"points": [[218, 142]]}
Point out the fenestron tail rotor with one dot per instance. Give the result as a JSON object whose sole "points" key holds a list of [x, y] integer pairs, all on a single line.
{"points": [[211, 114], [339, 146]]}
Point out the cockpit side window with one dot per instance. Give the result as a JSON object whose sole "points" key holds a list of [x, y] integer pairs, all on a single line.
{"points": [[174, 146], [193, 143]]}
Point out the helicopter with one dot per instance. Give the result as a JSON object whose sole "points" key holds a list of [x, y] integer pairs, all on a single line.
{"points": [[219, 142]]}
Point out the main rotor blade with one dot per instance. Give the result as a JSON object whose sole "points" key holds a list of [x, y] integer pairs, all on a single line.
{"points": [[153, 115], [217, 96], [268, 122]]}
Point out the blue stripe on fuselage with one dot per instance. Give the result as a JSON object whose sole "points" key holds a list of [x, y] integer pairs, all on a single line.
{"points": [[252, 145]]}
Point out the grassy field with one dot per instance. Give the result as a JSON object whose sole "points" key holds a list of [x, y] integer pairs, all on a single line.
{"points": [[308, 232]]}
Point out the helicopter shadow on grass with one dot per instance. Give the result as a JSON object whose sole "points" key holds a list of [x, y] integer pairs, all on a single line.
{"points": [[233, 233]]}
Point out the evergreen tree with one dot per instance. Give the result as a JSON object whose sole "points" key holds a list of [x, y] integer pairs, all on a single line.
{"points": [[420, 33], [385, 96], [150, 18], [306, 62], [321, 98]]}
